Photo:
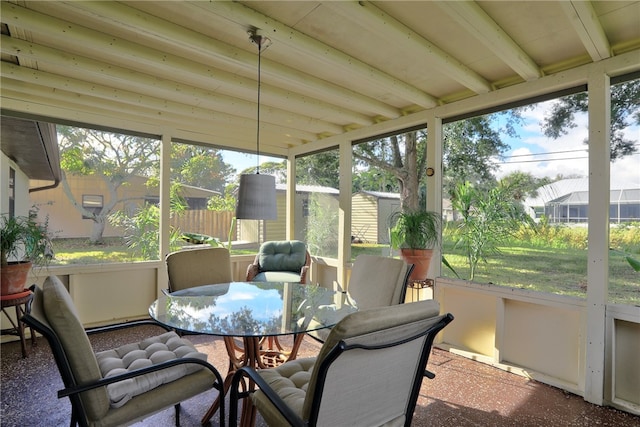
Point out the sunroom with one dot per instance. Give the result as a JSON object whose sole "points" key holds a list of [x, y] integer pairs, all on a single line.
{"points": [[335, 75]]}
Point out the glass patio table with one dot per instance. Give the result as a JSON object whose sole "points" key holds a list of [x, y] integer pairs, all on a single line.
{"points": [[257, 313]]}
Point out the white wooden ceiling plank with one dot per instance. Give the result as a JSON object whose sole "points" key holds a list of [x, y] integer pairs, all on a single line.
{"points": [[120, 78], [58, 104], [119, 51], [99, 94], [477, 22], [586, 24], [379, 20], [296, 40]]}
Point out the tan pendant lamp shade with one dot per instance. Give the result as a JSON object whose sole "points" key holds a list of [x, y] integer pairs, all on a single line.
{"points": [[257, 193]]}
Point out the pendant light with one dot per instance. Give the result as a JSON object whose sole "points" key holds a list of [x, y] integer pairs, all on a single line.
{"points": [[257, 193]]}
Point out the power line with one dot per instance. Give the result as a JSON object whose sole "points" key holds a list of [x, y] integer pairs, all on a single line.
{"points": [[549, 152], [542, 160]]}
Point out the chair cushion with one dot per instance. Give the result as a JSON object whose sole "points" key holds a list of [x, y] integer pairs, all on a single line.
{"points": [[286, 255], [150, 351], [277, 276], [64, 319], [289, 381]]}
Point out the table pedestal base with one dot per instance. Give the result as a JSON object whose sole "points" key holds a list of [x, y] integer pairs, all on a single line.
{"points": [[259, 353]]}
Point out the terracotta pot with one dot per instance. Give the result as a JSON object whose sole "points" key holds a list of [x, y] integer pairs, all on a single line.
{"points": [[421, 259], [14, 277]]}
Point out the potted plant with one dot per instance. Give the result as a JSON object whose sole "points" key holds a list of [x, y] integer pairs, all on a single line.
{"points": [[415, 234], [23, 243]]}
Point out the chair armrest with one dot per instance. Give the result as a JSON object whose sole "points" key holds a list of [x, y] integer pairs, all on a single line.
{"points": [[303, 274], [118, 326], [252, 271], [249, 372], [69, 391]]}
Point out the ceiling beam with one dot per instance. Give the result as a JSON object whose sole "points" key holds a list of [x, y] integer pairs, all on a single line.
{"points": [[478, 23], [93, 95], [124, 53], [208, 49], [62, 107], [370, 16], [588, 27], [307, 45], [93, 71]]}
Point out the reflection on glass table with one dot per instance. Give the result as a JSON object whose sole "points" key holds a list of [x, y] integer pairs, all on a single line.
{"points": [[256, 312]]}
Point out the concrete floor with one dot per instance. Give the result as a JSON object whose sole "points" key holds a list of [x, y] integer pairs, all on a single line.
{"points": [[464, 392]]}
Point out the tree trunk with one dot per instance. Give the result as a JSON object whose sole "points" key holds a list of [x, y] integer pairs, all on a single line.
{"points": [[410, 184], [97, 230]]}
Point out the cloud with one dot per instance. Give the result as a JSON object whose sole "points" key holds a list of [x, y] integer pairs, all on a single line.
{"points": [[542, 156]]}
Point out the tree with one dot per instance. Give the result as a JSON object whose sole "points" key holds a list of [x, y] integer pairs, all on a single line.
{"points": [[489, 218], [114, 158], [199, 166], [404, 156], [142, 229], [625, 111], [469, 149], [319, 169], [523, 185], [374, 180], [470, 146]]}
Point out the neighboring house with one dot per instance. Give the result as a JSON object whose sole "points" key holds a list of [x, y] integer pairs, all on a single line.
{"points": [[29, 163], [567, 201], [66, 221], [249, 230]]}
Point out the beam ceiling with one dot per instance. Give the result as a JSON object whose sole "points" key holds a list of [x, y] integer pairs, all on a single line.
{"points": [[188, 69]]}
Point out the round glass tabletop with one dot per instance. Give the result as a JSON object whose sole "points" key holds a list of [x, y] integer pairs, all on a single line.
{"points": [[252, 309]]}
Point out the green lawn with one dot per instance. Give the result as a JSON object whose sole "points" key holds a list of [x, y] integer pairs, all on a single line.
{"points": [[554, 270]]}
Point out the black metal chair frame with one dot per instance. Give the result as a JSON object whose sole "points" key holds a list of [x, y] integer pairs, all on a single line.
{"points": [[323, 369], [72, 389]]}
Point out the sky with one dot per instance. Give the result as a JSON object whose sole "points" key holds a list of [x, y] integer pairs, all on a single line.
{"points": [[570, 152], [242, 161], [569, 158]]}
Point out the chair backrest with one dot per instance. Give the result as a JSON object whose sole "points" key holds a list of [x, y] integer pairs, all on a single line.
{"points": [[378, 281], [282, 255], [196, 267], [371, 367], [55, 317]]}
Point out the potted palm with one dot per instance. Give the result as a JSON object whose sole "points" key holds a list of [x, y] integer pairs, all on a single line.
{"points": [[23, 243], [415, 234]]}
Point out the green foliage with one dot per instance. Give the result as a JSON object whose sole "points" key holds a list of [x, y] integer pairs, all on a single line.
{"points": [[415, 230], [222, 203], [470, 147], [199, 166], [114, 158], [555, 235], [22, 238], [625, 111], [489, 219], [141, 231], [322, 228], [625, 237], [201, 239]]}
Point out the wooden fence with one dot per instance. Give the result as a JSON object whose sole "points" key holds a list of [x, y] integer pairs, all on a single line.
{"points": [[211, 223]]}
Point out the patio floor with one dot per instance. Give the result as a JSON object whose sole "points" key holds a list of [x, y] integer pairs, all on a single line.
{"points": [[464, 392]]}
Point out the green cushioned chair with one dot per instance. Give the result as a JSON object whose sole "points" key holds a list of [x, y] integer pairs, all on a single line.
{"points": [[117, 387], [280, 261], [367, 373]]}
